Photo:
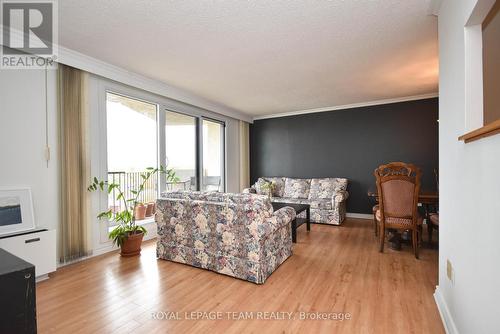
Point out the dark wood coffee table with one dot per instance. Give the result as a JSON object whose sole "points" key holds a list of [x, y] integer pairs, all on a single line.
{"points": [[299, 208]]}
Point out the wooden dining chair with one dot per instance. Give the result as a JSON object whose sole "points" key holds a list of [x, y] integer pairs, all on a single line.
{"points": [[398, 186]]}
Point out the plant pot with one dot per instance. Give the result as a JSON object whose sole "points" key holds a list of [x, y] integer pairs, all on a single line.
{"points": [[140, 212], [132, 245], [150, 209]]}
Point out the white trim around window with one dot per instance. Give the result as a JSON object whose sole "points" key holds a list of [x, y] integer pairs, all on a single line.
{"points": [[98, 88]]}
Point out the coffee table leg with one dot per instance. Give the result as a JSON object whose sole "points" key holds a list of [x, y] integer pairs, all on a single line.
{"points": [[294, 231], [308, 219]]}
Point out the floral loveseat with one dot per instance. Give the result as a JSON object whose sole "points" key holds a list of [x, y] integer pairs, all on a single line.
{"points": [[326, 196], [234, 234]]}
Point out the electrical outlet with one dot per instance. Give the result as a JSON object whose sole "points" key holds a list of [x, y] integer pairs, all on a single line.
{"points": [[450, 272]]}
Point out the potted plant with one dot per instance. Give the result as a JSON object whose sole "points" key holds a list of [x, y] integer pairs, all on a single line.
{"points": [[127, 234]]}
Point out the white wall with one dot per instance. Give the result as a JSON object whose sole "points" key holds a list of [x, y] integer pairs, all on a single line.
{"points": [[22, 140], [469, 192]]}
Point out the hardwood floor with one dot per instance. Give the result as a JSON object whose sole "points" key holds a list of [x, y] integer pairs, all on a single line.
{"points": [[333, 269]]}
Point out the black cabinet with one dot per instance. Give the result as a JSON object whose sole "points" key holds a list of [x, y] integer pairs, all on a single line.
{"points": [[17, 295]]}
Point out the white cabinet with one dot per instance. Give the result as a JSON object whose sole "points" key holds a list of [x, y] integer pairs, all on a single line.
{"points": [[38, 248]]}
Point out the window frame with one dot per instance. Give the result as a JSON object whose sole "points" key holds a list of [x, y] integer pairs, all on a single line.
{"points": [[473, 55], [99, 87], [223, 151], [157, 139]]}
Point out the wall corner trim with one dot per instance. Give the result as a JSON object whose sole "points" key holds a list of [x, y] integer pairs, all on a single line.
{"points": [[350, 106], [444, 312]]}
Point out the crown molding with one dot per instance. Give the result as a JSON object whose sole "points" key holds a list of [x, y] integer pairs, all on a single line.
{"points": [[434, 7], [101, 68], [89, 64], [350, 106]]}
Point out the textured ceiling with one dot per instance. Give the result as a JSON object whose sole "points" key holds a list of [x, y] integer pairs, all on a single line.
{"points": [[264, 57]]}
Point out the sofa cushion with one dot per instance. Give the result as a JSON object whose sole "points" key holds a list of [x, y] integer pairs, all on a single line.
{"points": [[326, 187], [261, 186], [297, 188], [279, 186], [253, 200], [321, 203]]}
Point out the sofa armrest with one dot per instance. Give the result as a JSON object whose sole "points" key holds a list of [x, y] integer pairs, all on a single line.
{"points": [[281, 217], [249, 191], [285, 214], [338, 197]]}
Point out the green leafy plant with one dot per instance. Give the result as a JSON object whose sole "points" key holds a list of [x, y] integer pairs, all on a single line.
{"points": [[126, 218], [270, 187]]}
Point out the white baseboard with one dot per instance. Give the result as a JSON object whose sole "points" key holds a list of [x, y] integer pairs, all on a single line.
{"points": [[106, 248], [42, 278], [359, 215], [448, 323]]}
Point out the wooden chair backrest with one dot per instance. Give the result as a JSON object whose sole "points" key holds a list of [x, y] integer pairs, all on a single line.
{"points": [[398, 186]]}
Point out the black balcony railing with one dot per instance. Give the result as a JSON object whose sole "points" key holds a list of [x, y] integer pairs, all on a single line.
{"points": [[131, 181]]}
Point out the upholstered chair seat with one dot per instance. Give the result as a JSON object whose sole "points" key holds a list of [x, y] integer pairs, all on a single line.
{"points": [[398, 221]]}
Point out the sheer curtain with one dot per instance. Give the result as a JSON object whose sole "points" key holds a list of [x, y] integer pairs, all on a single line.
{"points": [[244, 155], [74, 236]]}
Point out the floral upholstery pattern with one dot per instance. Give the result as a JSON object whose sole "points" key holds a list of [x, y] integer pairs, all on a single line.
{"points": [[260, 202], [326, 187], [260, 187], [297, 188], [232, 234], [250, 190], [340, 196], [279, 186], [327, 197]]}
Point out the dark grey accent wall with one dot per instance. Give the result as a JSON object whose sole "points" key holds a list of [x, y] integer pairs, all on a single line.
{"points": [[348, 143]]}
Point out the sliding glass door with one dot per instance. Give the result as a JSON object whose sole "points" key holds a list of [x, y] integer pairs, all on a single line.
{"points": [[180, 150], [213, 155], [143, 134], [131, 146]]}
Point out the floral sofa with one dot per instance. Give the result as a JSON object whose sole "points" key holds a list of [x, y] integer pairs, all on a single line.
{"points": [[326, 196], [234, 234]]}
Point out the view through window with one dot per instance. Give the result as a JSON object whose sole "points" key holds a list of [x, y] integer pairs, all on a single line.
{"points": [[213, 156], [133, 145], [180, 146]]}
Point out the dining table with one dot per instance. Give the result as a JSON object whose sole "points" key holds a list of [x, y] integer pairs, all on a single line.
{"points": [[429, 200]]}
